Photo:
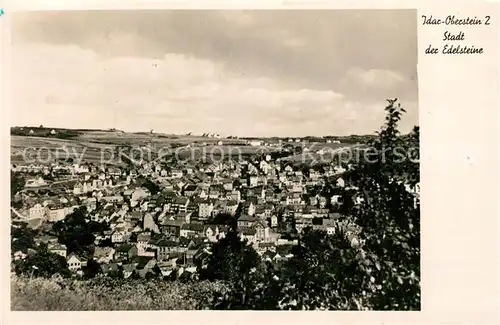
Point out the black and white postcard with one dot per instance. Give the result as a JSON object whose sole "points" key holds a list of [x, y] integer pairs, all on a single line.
{"points": [[179, 157]]}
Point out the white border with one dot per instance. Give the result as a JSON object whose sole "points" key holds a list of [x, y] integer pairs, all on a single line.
{"points": [[458, 101]]}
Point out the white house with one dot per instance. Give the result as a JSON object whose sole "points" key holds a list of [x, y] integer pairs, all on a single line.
{"points": [[205, 209], [56, 213], [58, 249], [75, 263], [253, 181], [137, 195], [255, 143], [37, 211], [274, 221], [177, 173], [118, 237], [35, 182]]}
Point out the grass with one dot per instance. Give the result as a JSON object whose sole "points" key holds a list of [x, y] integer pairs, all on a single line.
{"points": [[39, 294]]}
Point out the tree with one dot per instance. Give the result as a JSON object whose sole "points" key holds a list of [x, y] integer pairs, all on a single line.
{"points": [[152, 187], [42, 264], [91, 269], [76, 231], [22, 238], [224, 219], [380, 271], [17, 182], [230, 259], [324, 273], [236, 263], [389, 215]]}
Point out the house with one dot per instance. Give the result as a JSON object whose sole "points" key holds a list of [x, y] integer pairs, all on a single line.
{"points": [[274, 221], [183, 216], [283, 252], [203, 194], [266, 247], [110, 268], [265, 167], [172, 227], [205, 209], [78, 188], [56, 213], [249, 208], [336, 199], [248, 234], [302, 223], [190, 190], [144, 265], [149, 223], [34, 182], [215, 232], [177, 173], [192, 229], [128, 270], [103, 254], [179, 204], [188, 244], [255, 143], [46, 239], [228, 184], [168, 266], [125, 252], [58, 249], [90, 203], [328, 225], [236, 195], [75, 263], [165, 248], [37, 211], [114, 171], [231, 207], [119, 236], [143, 239], [261, 231], [112, 199], [253, 180], [138, 195], [246, 221]]}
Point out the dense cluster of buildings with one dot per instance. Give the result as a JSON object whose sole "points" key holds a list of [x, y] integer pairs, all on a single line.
{"points": [[168, 229]]}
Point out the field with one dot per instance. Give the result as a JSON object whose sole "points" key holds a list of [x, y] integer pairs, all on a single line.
{"points": [[26, 150], [99, 146]]}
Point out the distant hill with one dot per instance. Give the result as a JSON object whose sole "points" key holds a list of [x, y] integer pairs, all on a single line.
{"points": [[65, 133]]}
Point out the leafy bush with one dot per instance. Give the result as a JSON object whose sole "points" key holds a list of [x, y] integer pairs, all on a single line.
{"points": [[381, 271], [42, 263], [36, 294]]}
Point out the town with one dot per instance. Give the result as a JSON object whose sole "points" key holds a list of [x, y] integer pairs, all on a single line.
{"points": [[159, 217]]}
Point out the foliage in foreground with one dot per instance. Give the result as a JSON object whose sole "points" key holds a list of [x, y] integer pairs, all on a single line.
{"points": [[327, 271], [37, 294]]}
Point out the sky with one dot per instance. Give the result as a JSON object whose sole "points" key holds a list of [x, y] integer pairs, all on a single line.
{"points": [[242, 73]]}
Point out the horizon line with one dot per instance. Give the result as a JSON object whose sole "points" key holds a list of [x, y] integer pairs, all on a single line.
{"points": [[193, 134]]}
